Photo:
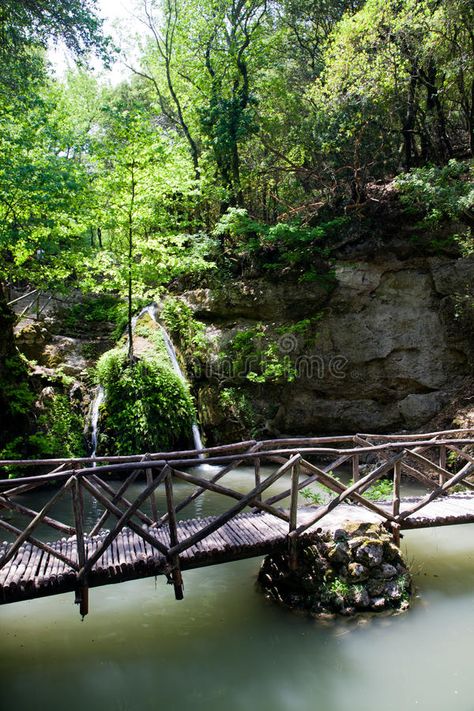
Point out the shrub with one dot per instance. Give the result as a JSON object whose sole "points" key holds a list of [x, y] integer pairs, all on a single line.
{"points": [[147, 407]]}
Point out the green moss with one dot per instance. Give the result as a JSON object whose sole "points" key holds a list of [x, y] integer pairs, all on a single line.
{"points": [[100, 309], [147, 406]]}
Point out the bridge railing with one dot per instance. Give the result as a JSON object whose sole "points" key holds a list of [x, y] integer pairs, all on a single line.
{"points": [[298, 462]]}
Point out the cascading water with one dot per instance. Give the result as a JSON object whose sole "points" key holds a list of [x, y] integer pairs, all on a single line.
{"points": [[97, 402], [177, 368], [151, 310]]}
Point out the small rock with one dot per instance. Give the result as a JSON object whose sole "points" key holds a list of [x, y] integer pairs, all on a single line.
{"points": [[378, 603], [391, 552], [356, 542], [393, 590], [388, 571], [375, 587], [340, 534], [360, 597], [370, 553], [357, 571], [339, 553]]}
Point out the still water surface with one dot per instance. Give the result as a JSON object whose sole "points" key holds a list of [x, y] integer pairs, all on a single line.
{"points": [[224, 648]]}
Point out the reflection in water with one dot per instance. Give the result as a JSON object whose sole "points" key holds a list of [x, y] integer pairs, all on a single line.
{"points": [[224, 647]]}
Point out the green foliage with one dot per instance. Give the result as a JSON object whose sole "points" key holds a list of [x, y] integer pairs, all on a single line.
{"points": [[184, 328], [315, 498], [58, 430], [15, 388], [280, 248], [95, 311], [147, 406], [334, 590], [382, 489], [439, 193], [256, 356], [238, 407]]}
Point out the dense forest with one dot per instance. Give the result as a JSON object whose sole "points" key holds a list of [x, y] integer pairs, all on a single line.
{"points": [[248, 139]]}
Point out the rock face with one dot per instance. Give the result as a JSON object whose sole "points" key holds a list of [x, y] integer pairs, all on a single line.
{"points": [[356, 569], [385, 352]]}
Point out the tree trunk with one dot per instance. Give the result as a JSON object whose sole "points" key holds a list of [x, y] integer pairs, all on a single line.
{"points": [[409, 121]]}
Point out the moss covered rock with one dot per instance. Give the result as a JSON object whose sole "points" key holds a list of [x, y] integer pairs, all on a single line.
{"points": [[346, 572], [147, 407]]}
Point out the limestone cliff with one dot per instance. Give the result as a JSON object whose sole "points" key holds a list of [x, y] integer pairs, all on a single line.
{"points": [[390, 344]]}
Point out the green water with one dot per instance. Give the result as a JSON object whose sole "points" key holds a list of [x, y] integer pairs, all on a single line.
{"points": [[225, 647]]}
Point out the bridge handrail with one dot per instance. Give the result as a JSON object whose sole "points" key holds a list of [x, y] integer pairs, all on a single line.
{"points": [[291, 442], [154, 463]]}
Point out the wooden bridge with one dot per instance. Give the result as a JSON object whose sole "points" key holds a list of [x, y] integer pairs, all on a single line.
{"points": [[143, 541]]}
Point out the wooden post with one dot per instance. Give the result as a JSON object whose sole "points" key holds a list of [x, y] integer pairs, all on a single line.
{"points": [[355, 468], [397, 471], [82, 590], [442, 463], [293, 541], [174, 560], [257, 477], [154, 507]]}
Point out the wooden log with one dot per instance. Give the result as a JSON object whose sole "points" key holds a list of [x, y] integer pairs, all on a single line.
{"points": [[154, 507], [226, 491], [397, 475], [192, 497], [442, 464], [82, 590], [257, 473], [355, 467], [123, 518], [305, 466], [338, 488], [304, 451], [292, 542], [223, 518], [6, 503], [78, 508], [465, 471], [119, 498], [173, 531], [34, 523], [323, 510], [445, 475], [420, 476], [115, 498], [132, 458], [428, 435]]}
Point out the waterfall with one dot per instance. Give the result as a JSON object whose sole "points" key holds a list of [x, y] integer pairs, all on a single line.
{"points": [[151, 309], [97, 402], [177, 368]]}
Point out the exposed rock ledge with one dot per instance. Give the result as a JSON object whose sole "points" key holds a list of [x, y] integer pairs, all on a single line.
{"points": [[392, 328]]}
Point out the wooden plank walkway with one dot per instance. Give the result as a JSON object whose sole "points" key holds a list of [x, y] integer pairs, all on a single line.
{"points": [[36, 573]]}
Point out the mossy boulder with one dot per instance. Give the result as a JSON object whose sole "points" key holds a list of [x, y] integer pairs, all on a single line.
{"points": [[147, 406], [349, 571]]}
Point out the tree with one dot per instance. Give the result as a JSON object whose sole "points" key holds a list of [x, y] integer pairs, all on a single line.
{"points": [[391, 60], [43, 190]]}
